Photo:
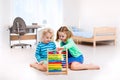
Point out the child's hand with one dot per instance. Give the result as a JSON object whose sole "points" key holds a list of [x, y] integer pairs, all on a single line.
{"points": [[60, 48]]}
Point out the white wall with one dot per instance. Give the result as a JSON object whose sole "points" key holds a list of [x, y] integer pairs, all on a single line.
{"points": [[4, 22], [84, 13], [71, 12], [92, 13], [95, 13], [0, 12]]}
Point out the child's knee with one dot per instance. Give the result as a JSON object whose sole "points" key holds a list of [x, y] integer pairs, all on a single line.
{"points": [[74, 65]]}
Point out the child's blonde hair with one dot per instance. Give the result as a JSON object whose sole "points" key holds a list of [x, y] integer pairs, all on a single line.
{"points": [[44, 31]]}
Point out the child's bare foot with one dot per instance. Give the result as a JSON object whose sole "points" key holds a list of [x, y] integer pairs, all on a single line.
{"points": [[36, 62], [30, 65], [38, 67], [34, 66]]}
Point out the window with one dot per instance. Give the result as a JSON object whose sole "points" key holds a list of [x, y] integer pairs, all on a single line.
{"points": [[39, 11]]}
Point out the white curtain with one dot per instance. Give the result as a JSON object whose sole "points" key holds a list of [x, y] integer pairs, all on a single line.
{"points": [[47, 12]]}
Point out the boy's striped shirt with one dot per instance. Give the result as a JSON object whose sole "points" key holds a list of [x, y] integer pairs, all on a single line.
{"points": [[41, 50]]}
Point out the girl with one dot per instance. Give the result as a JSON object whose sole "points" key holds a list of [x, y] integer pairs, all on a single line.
{"points": [[75, 56], [41, 50]]}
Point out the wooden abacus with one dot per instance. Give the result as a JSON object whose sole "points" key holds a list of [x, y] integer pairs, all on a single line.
{"points": [[57, 62]]}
